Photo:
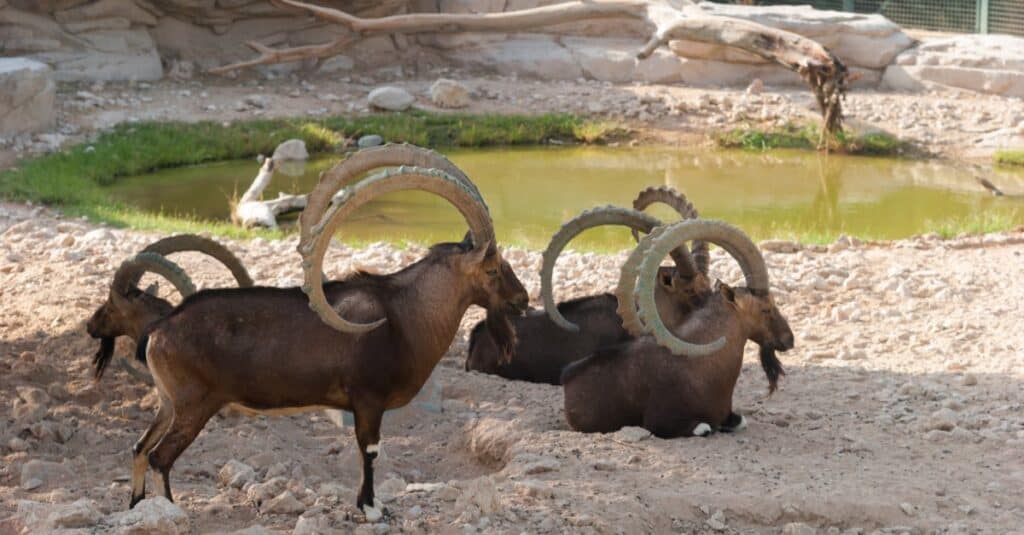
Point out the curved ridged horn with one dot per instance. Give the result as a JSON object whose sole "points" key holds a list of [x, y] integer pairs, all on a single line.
{"points": [[193, 242], [595, 217], [730, 238], [625, 292], [317, 237], [678, 202], [357, 164], [132, 270]]}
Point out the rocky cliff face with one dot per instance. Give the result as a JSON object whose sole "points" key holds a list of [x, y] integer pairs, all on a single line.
{"points": [[143, 40], [146, 40]]}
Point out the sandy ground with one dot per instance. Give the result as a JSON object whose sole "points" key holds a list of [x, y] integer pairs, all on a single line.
{"points": [[901, 411]]}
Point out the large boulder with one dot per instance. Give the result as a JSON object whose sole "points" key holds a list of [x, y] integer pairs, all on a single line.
{"points": [[293, 149], [390, 98], [984, 63], [37, 474], [152, 516], [449, 94], [39, 517], [27, 93]]}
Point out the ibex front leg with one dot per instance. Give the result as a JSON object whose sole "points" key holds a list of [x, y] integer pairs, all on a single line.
{"points": [[368, 421], [142, 448]]}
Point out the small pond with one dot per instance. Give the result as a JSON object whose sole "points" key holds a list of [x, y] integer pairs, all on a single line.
{"points": [[531, 191]]}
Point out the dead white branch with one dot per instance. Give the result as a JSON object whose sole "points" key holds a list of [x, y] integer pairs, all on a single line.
{"points": [[667, 19], [252, 211]]}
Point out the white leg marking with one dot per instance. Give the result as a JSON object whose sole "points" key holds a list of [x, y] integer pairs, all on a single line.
{"points": [[702, 429], [372, 513], [742, 425], [374, 448]]}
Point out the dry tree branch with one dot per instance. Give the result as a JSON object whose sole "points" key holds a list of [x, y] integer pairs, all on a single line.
{"points": [[270, 55]]}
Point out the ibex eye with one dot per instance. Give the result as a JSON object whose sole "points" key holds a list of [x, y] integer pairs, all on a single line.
{"points": [[492, 272]]}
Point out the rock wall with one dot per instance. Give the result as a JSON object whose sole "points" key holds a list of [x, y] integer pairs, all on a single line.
{"points": [[984, 63], [145, 40]]}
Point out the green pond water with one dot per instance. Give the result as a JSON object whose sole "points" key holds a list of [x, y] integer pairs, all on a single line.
{"points": [[532, 191]]}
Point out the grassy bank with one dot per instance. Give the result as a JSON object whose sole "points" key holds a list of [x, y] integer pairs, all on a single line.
{"points": [[793, 136], [1010, 157], [73, 178]]}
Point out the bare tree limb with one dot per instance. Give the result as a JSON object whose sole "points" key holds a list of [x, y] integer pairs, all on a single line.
{"points": [[668, 19], [270, 55], [251, 211]]}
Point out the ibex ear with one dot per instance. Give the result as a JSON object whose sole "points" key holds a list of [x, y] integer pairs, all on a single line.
{"points": [[467, 241], [727, 292], [117, 299], [152, 289], [478, 254]]}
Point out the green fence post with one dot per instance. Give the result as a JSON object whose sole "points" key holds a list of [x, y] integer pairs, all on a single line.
{"points": [[981, 16], [847, 5]]}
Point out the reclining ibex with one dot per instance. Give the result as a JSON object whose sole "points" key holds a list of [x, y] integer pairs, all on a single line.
{"points": [[364, 344], [544, 345], [128, 310], [668, 386]]}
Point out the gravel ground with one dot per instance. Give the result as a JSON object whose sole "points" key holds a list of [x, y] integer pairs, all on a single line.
{"points": [[901, 411], [948, 123]]}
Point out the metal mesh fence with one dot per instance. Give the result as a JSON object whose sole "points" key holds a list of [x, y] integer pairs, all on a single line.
{"points": [[982, 16], [1006, 16]]}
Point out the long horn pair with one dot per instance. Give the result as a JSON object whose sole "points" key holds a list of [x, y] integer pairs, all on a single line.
{"points": [[729, 238], [132, 270], [678, 202], [316, 231], [356, 165], [192, 242], [595, 217]]}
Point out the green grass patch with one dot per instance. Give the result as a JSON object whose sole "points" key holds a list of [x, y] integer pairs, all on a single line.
{"points": [[980, 223], [599, 131], [794, 136], [1010, 157], [73, 178]]}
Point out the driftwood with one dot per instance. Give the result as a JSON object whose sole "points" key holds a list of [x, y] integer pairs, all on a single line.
{"points": [[668, 19], [252, 211]]}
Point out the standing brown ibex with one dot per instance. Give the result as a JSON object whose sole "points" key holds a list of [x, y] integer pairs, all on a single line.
{"points": [[128, 310], [544, 342], [668, 386], [364, 344]]}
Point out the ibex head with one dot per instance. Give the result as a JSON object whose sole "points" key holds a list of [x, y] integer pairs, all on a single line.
{"points": [[495, 286], [763, 321], [128, 310]]}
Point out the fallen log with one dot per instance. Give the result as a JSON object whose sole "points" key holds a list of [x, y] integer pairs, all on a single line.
{"points": [[251, 211]]}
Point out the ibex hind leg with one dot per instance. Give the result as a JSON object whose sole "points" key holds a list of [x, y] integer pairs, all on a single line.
{"points": [[190, 415], [140, 451], [733, 423], [368, 420], [662, 418]]}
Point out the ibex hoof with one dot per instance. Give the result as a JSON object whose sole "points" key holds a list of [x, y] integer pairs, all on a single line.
{"points": [[372, 513], [702, 430]]}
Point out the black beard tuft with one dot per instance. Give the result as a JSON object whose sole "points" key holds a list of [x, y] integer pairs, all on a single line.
{"points": [[503, 332], [772, 367], [103, 356]]}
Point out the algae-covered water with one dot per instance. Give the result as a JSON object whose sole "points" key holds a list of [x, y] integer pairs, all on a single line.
{"points": [[531, 191]]}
